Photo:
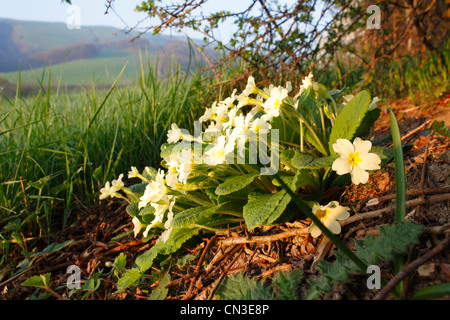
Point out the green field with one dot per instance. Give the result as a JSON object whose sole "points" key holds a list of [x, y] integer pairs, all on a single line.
{"points": [[102, 69]]}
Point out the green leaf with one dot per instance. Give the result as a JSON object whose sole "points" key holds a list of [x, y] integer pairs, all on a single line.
{"points": [[145, 260], [239, 287], [128, 278], [439, 127], [302, 160], [393, 240], [438, 290], [349, 118], [287, 155], [174, 148], [286, 283], [133, 209], [307, 99], [40, 281], [120, 262], [138, 189], [160, 293], [262, 206], [235, 183], [53, 248], [400, 178], [193, 215], [93, 283], [177, 237], [369, 120]]}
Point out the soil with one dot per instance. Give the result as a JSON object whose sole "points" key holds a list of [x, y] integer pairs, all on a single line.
{"points": [[264, 252]]}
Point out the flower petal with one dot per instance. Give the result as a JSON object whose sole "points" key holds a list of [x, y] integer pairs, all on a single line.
{"points": [[341, 166], [314, 230], [333, 226], [362, 146], [370, 161], [339, 213], [343, 147], [359, 175]]}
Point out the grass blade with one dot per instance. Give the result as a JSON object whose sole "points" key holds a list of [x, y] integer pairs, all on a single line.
{"points": [[400, 187]]}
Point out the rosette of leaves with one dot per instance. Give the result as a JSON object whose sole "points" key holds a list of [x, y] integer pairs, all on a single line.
{"points": [[223, 196]]}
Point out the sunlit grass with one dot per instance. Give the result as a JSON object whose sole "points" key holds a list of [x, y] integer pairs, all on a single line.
{"points": [[57, 148]]}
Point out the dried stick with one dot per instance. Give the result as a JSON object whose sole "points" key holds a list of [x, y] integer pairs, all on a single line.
{"points": [[199, 265], [380, 212], [270, 238], [211, 294], [410, 268]]}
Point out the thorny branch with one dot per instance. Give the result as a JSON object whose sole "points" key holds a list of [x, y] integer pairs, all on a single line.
{"points": [[292, 39]]}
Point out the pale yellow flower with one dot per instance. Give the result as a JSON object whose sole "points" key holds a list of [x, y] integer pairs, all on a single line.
{"points": [[329, 215], [174, 134], [106, 191], [134, 173], [250, 87], [355, 159], [110, 189], [218, 153], [137, 226], [273, 104], [154, 191]]}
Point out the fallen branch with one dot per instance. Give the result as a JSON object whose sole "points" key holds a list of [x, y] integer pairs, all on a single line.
{"points": [[269, 238], [222, 276], [410, 268], [380, 212]]}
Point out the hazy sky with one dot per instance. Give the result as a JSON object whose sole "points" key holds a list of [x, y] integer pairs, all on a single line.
{"points": [[92, 12]]}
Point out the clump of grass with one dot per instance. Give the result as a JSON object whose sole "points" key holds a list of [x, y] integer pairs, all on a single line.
{"points": [[58, 147]]}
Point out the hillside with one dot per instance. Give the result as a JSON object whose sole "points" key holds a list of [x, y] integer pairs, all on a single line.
{"points": [[77, 57]]}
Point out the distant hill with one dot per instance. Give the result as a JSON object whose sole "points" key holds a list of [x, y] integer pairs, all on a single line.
{"points": [[92, 53]]}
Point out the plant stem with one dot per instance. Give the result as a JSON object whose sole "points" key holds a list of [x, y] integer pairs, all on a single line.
{"points": [[338, 243], [400, 187]]}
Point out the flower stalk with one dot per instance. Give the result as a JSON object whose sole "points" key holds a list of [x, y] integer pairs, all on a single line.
{"points": [[308, 212]]}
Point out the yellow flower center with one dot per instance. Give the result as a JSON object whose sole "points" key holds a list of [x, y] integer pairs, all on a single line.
{"points": [[322, 213], [220, 153], [354, 159], [257, 128], [277, 103]]}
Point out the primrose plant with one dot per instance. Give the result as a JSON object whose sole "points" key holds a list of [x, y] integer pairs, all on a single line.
{"points": [[226, 172]]}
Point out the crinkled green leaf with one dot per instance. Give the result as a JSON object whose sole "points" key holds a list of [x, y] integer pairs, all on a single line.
{"points": [[138, 189], [40, 281], [93, 283], [393, 240], [129, 277], [160, 293], [285, 283], [265, 208], [235, 183], [260, 207], [302, 160], [193, 215], [145, 260], [239, 287], [132, 209], [349, 118], [369, 120], [120, 262], [174, 148], [440, 127], [177, 237]]}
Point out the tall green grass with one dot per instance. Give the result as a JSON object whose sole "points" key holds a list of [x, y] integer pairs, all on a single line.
{"points": [[58, 148], [420, 76]]}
